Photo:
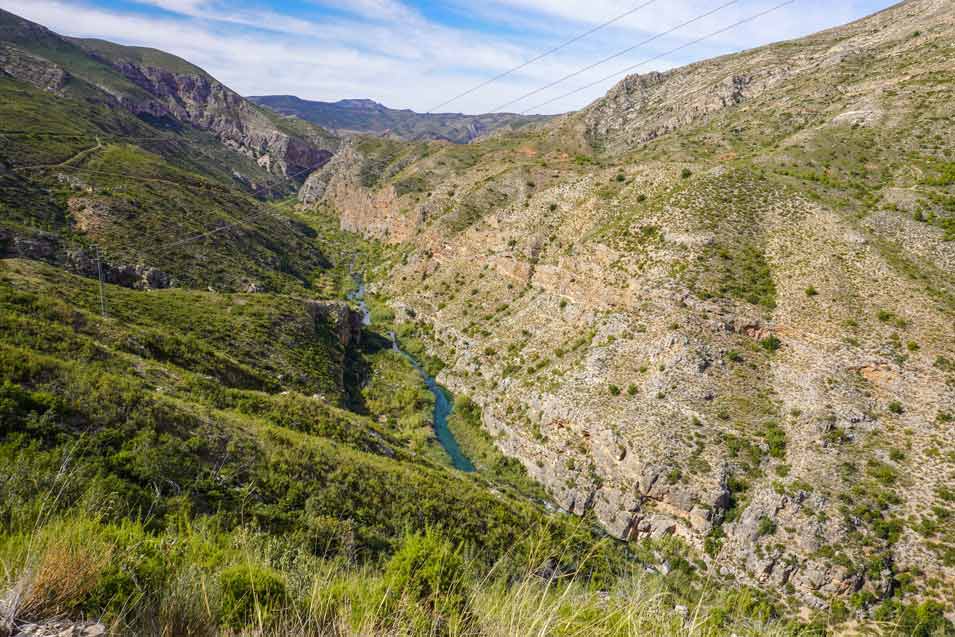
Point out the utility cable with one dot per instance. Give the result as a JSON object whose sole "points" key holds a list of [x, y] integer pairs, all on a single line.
{"points": [[614, 56], [662, 55], [557, 48]]}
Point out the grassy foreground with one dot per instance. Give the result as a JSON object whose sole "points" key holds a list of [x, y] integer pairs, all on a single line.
{"points": [[195, 579]]}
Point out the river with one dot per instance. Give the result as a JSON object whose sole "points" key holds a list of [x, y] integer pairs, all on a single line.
{"points": [[442, 403]]}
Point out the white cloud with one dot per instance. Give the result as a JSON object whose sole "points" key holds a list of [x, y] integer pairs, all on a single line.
{"points": [[373, 9], [387, 51]]}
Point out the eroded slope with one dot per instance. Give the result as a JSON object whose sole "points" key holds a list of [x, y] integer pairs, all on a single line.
{"points": [[718, 303]]}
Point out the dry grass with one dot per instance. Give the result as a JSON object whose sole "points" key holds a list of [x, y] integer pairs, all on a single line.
{"points": [[66, 572]]}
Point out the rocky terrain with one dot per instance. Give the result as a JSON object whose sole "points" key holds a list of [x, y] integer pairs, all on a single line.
{"points": [[716, 304], [698, 337], [366, 116], [164, 89]]}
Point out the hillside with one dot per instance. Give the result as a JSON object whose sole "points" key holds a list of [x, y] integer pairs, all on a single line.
{"points": [[117, 150], [250, 145], [717, 304], [366, 116], [200, 434], [698, 341]]}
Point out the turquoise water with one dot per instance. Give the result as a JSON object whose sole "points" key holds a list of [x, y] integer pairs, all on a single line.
{"points": [[442, 409], [442, 404]]}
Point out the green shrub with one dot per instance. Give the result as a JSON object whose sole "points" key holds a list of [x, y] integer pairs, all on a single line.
{"points": [[614, 390], [771, 343], [744, 602], [775, 438], [882, 472], [917, 620], [765, 527], [428, 570], [250, 595], [686, 173]]}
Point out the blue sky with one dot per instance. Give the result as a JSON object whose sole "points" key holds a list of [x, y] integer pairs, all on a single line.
{"points": [[417, 54]]}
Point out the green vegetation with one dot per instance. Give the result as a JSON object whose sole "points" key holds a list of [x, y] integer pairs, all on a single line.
{"points": [[771, 343], [478, 445], [235, 455], [150, 439], [739, 272]]}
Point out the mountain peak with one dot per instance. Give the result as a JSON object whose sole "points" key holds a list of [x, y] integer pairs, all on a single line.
{"points": [[359, 103]]}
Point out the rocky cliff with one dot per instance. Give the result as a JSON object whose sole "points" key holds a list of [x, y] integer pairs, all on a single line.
{"points": [[196, 98], [31, 69], [157, 86], [716, 304]]}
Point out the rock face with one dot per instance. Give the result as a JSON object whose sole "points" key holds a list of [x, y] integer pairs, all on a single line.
{"points": [[32, 69], [49, 248], [155, 85], [346, 322], [198, 99], [683, 314], [374, 214]]}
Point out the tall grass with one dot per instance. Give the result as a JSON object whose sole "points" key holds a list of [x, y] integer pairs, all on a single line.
{"points": [[192, 580]]}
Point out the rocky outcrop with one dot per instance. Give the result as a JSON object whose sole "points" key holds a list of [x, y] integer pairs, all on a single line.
{"points": [[198, 99], [642, 108], [344, 321], [32, 69], [81, 261], [373, 213], [138, 276]]}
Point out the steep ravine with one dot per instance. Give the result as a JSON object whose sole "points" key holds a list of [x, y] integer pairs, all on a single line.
{"points": [[443, 404]]}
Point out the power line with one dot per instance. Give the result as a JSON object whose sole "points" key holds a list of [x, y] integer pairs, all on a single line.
{"points": [[614, 56], [557, 48], [246, 220], [661, 55]]}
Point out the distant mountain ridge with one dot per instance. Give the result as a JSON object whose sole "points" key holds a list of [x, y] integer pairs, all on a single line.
{"points": [[368, 116]]}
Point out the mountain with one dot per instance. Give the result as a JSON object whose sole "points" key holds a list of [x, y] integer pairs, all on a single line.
{"points": [[191, 410], [167, 93], [114, 150], [679, 363], [367, 116], [195, 423], [717, 304]]}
